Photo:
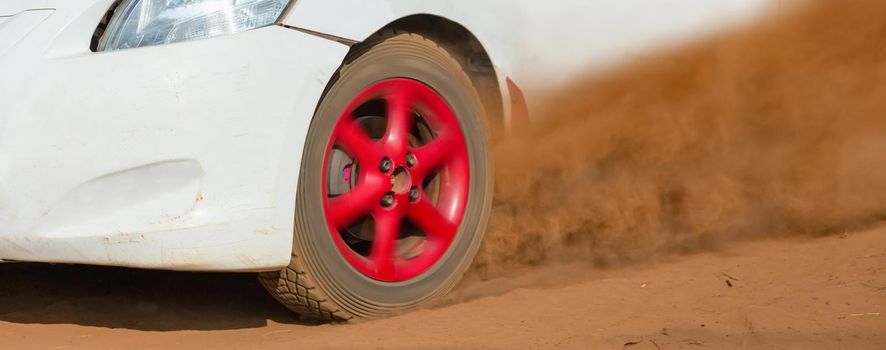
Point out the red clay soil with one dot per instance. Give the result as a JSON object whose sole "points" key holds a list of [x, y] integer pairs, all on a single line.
{"points": [[825, 293]]}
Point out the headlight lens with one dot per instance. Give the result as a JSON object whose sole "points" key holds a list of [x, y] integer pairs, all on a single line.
{"points": [[138, 23]]}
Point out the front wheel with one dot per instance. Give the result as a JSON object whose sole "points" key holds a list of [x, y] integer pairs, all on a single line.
{"points": [[395, 188]]}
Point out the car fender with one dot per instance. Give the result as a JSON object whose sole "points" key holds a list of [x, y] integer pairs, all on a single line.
{"points": [[357, 20]]}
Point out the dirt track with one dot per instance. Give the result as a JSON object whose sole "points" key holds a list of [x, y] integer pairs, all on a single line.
{"points": [[827, 293]]}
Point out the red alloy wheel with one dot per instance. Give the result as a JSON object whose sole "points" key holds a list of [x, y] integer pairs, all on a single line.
{"points": [[400, 204], [403, 189]]}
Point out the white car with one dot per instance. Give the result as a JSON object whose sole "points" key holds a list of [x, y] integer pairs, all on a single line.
{"points": [[339, 147], [347, 161]]}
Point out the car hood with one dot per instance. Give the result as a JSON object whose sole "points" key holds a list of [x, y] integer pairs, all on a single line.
{"points": [[10, 8]]}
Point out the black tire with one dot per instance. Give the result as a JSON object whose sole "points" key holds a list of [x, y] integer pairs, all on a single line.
{"points": [[319, 282]]}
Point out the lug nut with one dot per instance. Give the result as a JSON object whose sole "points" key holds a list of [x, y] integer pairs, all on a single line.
{"points": [[414, 194], [410, 160], [387, 200], [386, 165]]}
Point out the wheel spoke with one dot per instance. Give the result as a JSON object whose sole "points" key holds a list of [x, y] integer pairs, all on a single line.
{"points": [[344, 210], [384, 244], [433, 155], [429, 219], [400, 120], [356, 142]]}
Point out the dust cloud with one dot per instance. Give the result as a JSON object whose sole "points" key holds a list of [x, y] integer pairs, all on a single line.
{"points": [[769, 131]]}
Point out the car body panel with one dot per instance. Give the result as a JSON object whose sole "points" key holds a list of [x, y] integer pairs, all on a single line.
{"points": [[13, 7], [156, 157], [15, 27], [183, 156]]}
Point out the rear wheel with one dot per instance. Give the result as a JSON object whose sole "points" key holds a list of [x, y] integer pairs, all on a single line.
{"points": [[395, 187]]}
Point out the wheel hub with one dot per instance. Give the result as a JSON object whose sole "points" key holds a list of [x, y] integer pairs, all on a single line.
{"points": [[401, 181]]}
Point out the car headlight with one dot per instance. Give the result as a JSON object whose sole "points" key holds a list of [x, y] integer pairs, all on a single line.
{"points": [[138, 23]]}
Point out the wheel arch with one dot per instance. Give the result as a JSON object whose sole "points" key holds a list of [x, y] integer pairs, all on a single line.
{"points": [[478, 41], [460, 42]]}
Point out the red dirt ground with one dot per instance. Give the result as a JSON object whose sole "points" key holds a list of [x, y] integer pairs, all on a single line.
{"points": [[826, 293]]}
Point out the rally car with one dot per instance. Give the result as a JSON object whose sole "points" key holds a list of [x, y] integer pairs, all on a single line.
{"points": [[339, 148], [347, 161]]}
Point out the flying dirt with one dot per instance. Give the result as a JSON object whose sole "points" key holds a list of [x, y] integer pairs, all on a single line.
{"points": [[773, 131], [726, 194]]}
